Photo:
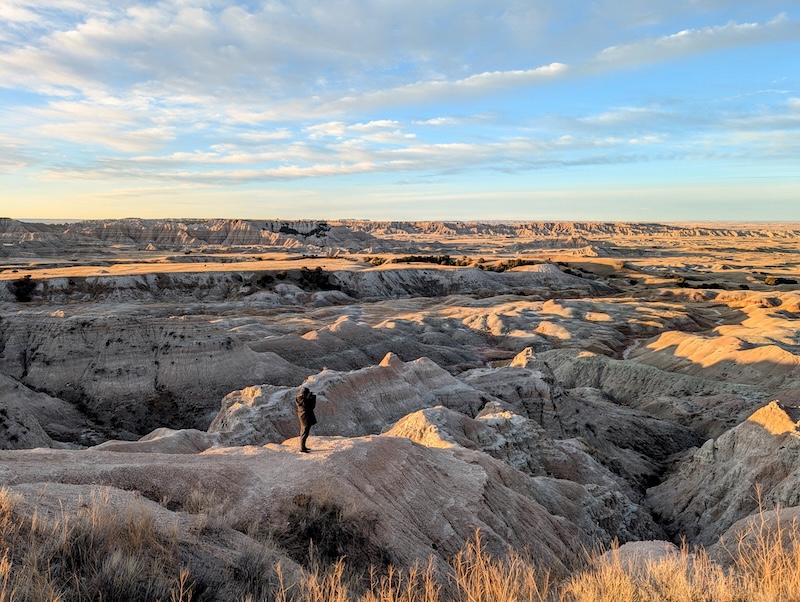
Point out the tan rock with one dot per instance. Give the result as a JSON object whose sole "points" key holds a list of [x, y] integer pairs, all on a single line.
{"points": [[349, 404], [374, 481], [598, 500], [757, 461]]}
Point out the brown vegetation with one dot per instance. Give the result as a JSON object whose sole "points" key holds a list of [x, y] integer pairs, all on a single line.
{"points": [[106, 552]]}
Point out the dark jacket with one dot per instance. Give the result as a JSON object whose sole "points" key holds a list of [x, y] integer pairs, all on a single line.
{"points": [[306, 402]]}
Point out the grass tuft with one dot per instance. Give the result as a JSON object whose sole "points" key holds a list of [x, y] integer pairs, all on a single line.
{"points": [[112, 550]]}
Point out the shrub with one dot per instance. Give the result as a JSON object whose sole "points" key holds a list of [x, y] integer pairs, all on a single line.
{"points": [[320, 532], [317, 279], [22, 288], [511, 264], [112, 549], [265, 280], [776, 280], [437, 259]]}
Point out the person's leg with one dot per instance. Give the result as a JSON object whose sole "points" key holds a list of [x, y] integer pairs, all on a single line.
{"points": [[303, 437]]}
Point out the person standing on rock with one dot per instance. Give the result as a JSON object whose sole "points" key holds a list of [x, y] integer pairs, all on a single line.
{"points": [[306, 402]]}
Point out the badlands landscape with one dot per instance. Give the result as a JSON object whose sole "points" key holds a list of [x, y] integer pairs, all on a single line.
{"points": [[559, 389]]}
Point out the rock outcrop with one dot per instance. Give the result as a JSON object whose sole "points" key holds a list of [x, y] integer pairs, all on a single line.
{"points": [[348, 345], [135, 372], [392, 282], [29, 419], [602, 506], [707, 406], [374, 482], [178, 234], [632, 443], [757, 461], [349, 404], [344, 234]]}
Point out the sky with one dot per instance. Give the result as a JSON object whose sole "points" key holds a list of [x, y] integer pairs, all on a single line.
{"points": [[636, 110]]}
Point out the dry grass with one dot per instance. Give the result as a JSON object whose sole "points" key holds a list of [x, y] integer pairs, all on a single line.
{"points": [[764, 566], [103, 551], [107, 553], [480, 578]]}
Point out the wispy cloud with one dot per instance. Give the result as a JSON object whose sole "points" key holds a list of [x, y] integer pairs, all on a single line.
{"points": [[423, 92], [689, 42], [12, 154]]}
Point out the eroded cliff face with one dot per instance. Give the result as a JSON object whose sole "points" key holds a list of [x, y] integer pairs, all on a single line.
{"points": [[24, 238], [342, 234], [756, 462], [133, 373], [136, 352], [456, 460], [541, 404], [374, 482], [277, 287]]}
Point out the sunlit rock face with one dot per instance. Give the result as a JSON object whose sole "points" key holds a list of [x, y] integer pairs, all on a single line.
{"points": [[375, 481], [348, 344], [601, 499], [707, 406], [349, 404], [757, 461], [180, 234]]}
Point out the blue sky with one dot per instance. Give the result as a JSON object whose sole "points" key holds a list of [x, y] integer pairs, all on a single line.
{"points": [[633, 110]]}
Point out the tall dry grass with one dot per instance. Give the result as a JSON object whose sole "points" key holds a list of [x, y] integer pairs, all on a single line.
{"points": [[763, 566], [101, 552], [119, 554]]}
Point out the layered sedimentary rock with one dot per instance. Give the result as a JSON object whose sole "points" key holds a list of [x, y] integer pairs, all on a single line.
{"points": [[707, 406], [135, 373], [758, 347], [374, 481], [179, 233], [341, 234], [541, 281], [347, 344], [31, 419], [757, 461], [349, 404], [632, 443], [627, 367], [394, 282], [610, 514]]}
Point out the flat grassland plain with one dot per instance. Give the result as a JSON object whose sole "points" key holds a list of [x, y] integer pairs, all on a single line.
{"points": [[501, 401]]}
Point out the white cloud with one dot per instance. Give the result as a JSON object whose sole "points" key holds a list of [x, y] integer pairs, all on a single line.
{"points": [[215, 92], [436, 121], [625, 115], [375, 130], [266, 136], [332, 128], [94, 133], [16, 13], [433, 90], [225, 163], [12, 154], [694, 41]]}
